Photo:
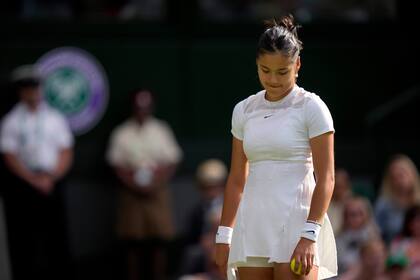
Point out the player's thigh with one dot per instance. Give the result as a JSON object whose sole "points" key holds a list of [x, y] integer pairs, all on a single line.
{"points": [[282, 272], [253, 273]]}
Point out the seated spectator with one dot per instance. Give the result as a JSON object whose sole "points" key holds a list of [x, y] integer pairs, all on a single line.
{"points": [[400, 190], [371, 262], [408, 243], [211, 178], [198, 262], [396, 266], [358, 227], [342, 192]]}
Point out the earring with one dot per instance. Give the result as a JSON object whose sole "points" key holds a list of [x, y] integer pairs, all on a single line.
{"points": [[297, 75]]}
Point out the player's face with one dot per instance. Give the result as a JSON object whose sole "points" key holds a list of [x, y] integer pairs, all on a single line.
{"points": [[31, 96], [277, 73]]}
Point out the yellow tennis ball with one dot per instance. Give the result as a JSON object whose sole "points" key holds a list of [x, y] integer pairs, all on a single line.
{"points": [[296, 270]]}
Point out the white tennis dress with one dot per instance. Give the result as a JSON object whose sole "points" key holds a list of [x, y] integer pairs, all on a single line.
{"points": [[277, 195]]}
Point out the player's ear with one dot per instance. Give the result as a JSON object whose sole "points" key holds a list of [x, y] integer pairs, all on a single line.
{"points": [[297, 64]]}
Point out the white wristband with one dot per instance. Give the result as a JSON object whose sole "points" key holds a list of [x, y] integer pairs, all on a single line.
{"points": [[311, 230], [224, 235]]}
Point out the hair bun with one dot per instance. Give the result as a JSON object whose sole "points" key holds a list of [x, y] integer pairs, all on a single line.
{"points": [[287, 22], [270, 23], [280, 36]]}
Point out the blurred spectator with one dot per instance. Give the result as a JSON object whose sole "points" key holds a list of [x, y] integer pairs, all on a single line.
{"points": [[408, 243], [263, 9], [144, 154], [143, 9], [35, 9], [358, 227], [198, 262], [400, 190], [345, 10], [36, 145], [396, 266], [211, 178], [357, 11], [342, 192], [371, 263], [215, 10]]}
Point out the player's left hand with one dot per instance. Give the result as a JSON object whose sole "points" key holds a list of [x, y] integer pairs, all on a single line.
{"points": [[304, 253]]}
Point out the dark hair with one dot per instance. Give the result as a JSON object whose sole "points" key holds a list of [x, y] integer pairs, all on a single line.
{"points": [[411, 214], [280, 36], [17, 86]]}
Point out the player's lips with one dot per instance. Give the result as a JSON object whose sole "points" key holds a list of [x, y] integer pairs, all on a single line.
{"points": [[274, 86]]}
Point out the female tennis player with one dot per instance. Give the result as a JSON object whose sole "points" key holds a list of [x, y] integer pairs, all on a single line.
{"points": [[274, 211]]}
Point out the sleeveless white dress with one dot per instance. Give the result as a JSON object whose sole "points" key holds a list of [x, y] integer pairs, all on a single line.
{"points": [[277, 194]]}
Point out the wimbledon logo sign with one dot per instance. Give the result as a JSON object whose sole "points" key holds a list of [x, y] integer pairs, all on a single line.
{"points": [[75, 84]]}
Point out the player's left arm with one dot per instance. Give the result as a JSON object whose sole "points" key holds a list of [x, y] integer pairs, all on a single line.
{"points": [[323, 160]]}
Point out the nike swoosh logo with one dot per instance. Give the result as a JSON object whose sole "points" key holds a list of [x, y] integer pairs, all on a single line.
{"points": [[267, 116], [313, 232]]}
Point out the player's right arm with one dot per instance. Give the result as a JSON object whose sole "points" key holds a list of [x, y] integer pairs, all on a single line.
{"points": [[232, 196], [235, 183]]}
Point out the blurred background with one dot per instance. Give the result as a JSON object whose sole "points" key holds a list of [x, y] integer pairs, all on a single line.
{"points": [[198, 58]]}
